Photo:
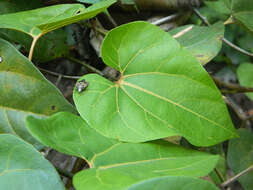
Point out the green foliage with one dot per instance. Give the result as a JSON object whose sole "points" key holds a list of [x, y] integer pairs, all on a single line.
{"points": [[163, 91], [175, 183], [113, 158], [23, 167], [240, 10], [245, 76], [24, 91], [240, 157], [161, 85], [43, 20]]}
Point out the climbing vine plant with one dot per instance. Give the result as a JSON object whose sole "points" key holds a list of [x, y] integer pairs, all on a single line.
{"points": [[122, 128]]}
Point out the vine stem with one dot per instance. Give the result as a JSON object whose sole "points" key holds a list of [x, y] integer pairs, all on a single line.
{"points": [[59, 75], [85, 64], [235, 88], [230, 44], [231, 180], [165, 19], [35, 39]]}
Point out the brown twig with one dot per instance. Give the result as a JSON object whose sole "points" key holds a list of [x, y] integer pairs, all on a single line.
{"points": [[85, 64], [204, 19], [165, 19], [233, 88], [58, 74], [231, 180]]}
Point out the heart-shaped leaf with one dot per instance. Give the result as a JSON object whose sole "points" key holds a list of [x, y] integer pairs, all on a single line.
{"points": [[129, 162], [173, 183], [24, 91], [163, 91], [245, 77], [40, 21], [203, 42], [23, 167], [240, 157]]}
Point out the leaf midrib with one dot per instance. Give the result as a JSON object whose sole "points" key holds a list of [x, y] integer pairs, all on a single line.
{"points": [[174, 103]]}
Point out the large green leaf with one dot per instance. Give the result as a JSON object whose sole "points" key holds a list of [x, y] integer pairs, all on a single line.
{"points": [[203, 42], [240, 157], [128, 162], [40, 21], [163, 91], [24, 91], [174, 183], [24, 168], [51, 46], [245, 77]]}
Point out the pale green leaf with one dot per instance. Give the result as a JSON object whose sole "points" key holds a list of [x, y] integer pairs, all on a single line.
{"points": [[203, 42], [69, 134], [240, 157], [173, 183], [40, 21], [245, 76], [24, 91], [24, 168], [163, 91]]}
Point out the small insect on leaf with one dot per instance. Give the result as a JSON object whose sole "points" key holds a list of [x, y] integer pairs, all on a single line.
{"points": [[81, 85]]}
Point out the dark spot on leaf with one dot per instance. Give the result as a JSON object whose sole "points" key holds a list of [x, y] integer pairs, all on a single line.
{"points": [[53, 107], [78, 12]]}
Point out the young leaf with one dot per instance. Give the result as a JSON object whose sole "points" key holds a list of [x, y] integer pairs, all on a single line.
{"points": [[130, 162], [24, 91], [163, 91], [23, 167], [240, 157], [203, 42], [245, 77], [43, 20], [173, 183]]}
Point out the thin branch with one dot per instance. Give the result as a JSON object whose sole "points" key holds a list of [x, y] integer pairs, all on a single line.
{"points": [[165, 19], [237, 109], [59, 75], [85, 64], [233, 88], [219, 174], [204, 19], [236, 47], [35, 39], [231, 180], [102, 31]]}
